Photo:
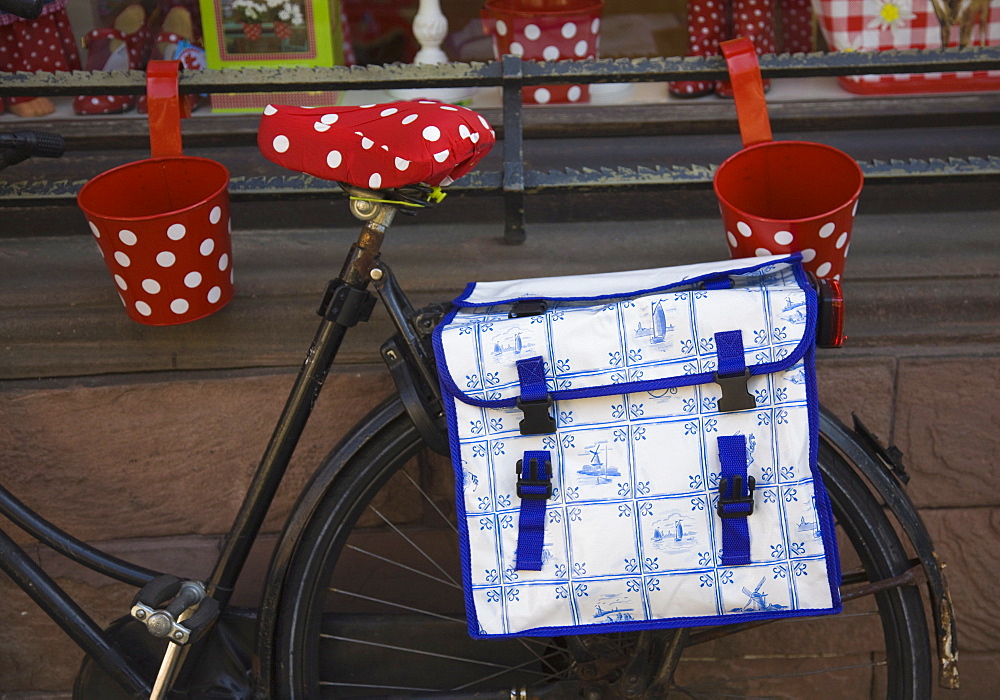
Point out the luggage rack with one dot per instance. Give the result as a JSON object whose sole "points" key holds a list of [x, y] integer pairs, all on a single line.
{"points": [[511, 74]]}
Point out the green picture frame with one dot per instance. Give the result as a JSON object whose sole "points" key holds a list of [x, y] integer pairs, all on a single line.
{"points": [[269, 34]]}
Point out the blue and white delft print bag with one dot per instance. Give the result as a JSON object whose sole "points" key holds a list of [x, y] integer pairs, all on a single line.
{"points": [[596, 420]]}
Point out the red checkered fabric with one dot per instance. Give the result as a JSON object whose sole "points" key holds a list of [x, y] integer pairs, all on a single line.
{"points": [[879, 25]]}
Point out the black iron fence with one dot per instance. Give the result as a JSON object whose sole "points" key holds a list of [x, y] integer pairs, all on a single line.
{"points": [[511, 74]]}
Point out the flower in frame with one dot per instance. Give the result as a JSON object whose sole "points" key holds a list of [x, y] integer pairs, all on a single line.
{"points": [[292, 14], [249, 11], [892, 15]]}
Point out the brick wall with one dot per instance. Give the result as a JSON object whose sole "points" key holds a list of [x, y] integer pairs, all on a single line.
{"points": [[142, 440]]}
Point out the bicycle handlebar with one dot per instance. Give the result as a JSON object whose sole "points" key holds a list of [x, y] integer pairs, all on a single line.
{"points": [[28, 9], [16, 146]]}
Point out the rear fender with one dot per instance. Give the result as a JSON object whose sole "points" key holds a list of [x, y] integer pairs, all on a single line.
{"points": [[369, 429], [882, 468]]}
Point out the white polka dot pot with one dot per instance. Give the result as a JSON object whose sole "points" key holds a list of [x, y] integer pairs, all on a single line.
{"points": [[567, 30], [163, 228], [783, 196]]}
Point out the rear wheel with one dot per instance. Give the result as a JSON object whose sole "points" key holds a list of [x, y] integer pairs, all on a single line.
{"points": [[373, 606]]}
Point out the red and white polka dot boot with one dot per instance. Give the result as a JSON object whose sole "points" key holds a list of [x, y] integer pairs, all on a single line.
{"points": [[126, 46], [706, 27], [46, 43], [753, 19]]}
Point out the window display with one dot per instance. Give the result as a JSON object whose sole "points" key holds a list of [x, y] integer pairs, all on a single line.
{"points": [[46, 43], [270, 33]]}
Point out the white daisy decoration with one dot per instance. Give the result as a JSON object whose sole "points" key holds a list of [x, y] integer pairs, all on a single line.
{"points": [[892, 14], [849, 43]]}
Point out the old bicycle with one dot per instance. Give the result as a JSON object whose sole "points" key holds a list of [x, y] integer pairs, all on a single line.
{"points": [[325, 630]]}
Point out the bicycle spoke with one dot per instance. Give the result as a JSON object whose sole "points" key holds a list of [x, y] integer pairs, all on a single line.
{"points": [[389, 603], [413, 544], [433, 654], [393, 562], [543, 679], [430, 501], [528, 643], [372, 686]]}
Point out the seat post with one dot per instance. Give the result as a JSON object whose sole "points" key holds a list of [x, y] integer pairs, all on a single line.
{"points": [[368, 206], [346, 303]]}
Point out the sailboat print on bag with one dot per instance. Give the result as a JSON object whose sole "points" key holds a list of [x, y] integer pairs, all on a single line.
{"points": [[658, 330], [812, 526], [674, 533], [612, 608], [796, 376], [504, 346]]}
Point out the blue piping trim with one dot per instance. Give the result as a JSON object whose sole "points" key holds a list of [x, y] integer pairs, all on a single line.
{"points": [[666, 623], [824, 509], [808, 335], [455, 449], [461, 299]]}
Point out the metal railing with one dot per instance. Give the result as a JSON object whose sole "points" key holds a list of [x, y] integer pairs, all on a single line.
{"points": [[511, 74]]}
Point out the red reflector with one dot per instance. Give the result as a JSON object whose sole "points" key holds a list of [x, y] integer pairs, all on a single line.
{"points": [[830, 330]]}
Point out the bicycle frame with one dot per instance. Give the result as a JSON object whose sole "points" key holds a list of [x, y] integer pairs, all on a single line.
{"points": [[346, 302]]}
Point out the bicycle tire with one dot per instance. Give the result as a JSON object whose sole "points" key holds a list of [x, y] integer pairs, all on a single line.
{"points": [[326, 650]]}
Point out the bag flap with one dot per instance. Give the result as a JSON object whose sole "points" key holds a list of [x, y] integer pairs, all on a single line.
{"points": [[623, 332]]}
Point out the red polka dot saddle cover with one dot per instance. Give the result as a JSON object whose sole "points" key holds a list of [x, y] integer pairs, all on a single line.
{"points": [[378, 146]]}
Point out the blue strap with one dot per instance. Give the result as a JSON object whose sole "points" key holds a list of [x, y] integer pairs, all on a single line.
{"points": [[534, 400], [732, 373], [735, 500], [721, 282], [729, 346], [531, 374], [534, 486]]}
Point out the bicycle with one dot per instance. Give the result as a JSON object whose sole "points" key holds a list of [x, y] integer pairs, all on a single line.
{"points": [[320, 633]]}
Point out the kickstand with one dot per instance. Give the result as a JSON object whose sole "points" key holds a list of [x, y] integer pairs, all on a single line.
{"points": [[172, 661], [178, 611]]}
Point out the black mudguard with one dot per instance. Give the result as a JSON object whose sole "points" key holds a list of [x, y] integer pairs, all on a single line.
{"points": [[368, 429], [882, 467], [878, 465]]}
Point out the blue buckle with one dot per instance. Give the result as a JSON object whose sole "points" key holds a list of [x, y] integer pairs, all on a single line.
{"points": [[736, 499], [534, 480]]}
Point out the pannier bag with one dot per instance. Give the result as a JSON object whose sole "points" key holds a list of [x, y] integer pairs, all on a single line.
{"points": [[637, 450]]}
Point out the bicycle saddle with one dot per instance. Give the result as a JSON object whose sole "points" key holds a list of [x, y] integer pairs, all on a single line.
{"points": [[378, 146]]}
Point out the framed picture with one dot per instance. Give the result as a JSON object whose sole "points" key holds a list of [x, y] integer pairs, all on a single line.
{"points": [[271, 33]]}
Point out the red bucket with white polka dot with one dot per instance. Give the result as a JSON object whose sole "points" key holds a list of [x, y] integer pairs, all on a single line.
{"points": [[783, 196], [162, 224], [546, 30]]}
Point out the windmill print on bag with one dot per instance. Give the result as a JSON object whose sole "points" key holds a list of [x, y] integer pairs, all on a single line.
{"points": [[757, 600]]}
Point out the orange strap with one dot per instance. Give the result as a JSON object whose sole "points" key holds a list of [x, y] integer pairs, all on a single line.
{"points": [[165, 108], [748, 90]]}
